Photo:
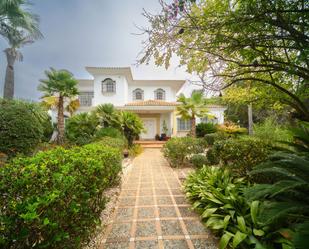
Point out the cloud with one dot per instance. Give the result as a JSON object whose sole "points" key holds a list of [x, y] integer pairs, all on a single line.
{"points": [[79, 33]]}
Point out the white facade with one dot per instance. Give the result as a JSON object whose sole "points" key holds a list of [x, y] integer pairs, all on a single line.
{"points": [[153, 100]]}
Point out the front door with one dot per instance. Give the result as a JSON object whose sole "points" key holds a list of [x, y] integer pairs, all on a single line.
{"points": [[150, 128]]}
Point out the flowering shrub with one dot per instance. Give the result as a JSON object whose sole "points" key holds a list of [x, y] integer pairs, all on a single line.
{"points": [[232, 129], [54, 199]]}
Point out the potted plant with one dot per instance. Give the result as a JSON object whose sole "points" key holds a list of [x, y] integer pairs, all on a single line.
{"points": [[157, 137], [165, 130]]}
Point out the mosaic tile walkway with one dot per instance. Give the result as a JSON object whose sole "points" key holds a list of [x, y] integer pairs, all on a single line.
{"points": [[152, 211]]}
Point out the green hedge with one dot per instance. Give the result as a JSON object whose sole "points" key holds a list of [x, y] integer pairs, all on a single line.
{"points": [[179, 149], [21, 127], [54, 199], [119, 143], [241, 154]]}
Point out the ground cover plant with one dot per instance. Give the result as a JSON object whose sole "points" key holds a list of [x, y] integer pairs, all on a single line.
{"points": [[218, 197], [54, 199]]}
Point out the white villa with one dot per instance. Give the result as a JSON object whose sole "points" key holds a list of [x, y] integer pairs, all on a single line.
{"points": [[153, 100]]}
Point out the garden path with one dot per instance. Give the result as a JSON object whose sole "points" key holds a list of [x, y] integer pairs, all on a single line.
{"points": [[152, 211]]}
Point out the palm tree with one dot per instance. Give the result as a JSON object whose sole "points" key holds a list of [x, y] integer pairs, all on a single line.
{"points": [[71, 105], [62, 85], [192, 107], [13, 15], [131, 124], [19, 28], [108, 115], [16, 40]]}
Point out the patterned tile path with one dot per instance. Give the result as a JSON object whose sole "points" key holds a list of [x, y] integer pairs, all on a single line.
{"points": [[152, 211]]}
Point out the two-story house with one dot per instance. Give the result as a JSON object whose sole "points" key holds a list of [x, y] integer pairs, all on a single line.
{"points": [[153, 100]]}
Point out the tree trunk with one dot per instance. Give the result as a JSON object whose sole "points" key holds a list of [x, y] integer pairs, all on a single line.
{"points": [[193, 127], [60, 138], [8, 91], [250, 119]]}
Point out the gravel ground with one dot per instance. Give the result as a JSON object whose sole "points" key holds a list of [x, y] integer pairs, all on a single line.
{"points": [[112, 194]]}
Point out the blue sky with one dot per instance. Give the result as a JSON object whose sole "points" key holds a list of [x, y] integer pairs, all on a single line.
{"points": [[79, 33]]}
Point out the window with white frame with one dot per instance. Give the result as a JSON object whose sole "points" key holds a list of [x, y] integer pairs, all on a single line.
{"points": [[138, 94], [108, 86], [183, 125], [159, 94], [85, 98]]}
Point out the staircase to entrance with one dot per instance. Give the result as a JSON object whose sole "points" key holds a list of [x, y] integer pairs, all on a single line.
{"points": [[150, 143]]}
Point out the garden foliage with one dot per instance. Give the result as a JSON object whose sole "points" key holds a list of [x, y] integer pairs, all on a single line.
{"points": [[54, 199], [119, 143], [21, 126], [285, 200], [178, 150], [218, 197], [205, 128], [199, 160], [108, 132], [272, 133], [80, 128], [240, 154]]}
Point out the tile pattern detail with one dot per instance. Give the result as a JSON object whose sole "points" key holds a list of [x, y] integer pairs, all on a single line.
{"points": [[152, 211]]}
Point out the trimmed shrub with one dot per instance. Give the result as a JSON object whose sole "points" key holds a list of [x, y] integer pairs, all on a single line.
{"points": [[54, 199], [241, 154], [199, 160], [205, 128], [20, 127], [178, 150], [119, 143], [108, 132], [211, 138], [80, 128]]}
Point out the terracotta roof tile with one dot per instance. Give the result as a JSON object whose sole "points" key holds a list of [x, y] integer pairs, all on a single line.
{"points": [[152, 103]]}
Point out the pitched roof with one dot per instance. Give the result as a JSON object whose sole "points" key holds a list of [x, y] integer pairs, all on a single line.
{"points": [[152, 103]]}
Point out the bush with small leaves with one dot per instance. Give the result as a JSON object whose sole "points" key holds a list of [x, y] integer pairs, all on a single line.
{"points": [[205, 128], [178, 150], [199, 160], [21, 127], [240, 154], [54, 199]]}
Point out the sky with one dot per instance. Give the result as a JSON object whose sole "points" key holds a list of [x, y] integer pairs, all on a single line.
{"points": [[80, 33]]}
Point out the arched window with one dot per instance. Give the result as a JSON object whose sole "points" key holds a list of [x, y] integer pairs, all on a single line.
{"points": [[108, 86], [138, 94], [159, 94]]}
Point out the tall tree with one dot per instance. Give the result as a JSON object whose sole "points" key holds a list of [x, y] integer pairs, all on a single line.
{"points": [[62, 85], [248, 40], [191, 108], [18, 27]]}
